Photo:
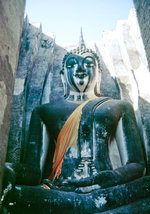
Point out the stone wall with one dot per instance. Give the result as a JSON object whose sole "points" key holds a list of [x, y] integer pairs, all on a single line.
{"points": [[143, 15], [123, 53], [11, 20], [36, 70]]}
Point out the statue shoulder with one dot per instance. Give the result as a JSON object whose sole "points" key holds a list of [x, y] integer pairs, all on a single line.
{"points": [[124, 103], [52, 104], [126, 106], [116, 105]]}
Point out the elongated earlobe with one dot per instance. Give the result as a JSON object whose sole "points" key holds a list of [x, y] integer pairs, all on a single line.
{"points": [[97, 89], [97, 86], [64, 84]]}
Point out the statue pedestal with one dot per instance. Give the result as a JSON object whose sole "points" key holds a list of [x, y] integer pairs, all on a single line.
{"points": [[125, 198]]}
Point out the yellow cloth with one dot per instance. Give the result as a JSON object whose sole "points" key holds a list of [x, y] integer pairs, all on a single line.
{"points": [[67, 137]]}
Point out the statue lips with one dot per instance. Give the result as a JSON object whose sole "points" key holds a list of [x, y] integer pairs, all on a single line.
{"points": [[81, 75]]}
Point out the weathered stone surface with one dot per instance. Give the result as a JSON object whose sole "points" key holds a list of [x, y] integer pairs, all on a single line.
{"points": [[123, 62], [143, 15], [124, 55], [11, 20], [94, 202], [35, 61], [142, 206]]}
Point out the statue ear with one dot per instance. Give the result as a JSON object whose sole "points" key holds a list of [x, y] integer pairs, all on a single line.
{"points": [[64, 84], [97, 89], [97, 86]]}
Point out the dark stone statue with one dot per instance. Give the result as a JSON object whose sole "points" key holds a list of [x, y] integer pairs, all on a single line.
{"points": [[73, 172]]}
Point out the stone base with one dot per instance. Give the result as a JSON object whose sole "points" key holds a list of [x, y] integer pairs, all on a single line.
{"points": [[138, 207], [133, 198]]}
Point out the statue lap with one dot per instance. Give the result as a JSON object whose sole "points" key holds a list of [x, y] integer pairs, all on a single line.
{"points": [[24, 199]]}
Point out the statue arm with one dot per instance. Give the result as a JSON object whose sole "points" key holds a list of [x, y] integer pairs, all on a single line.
{"points": [[34, 145], [129, 141], [128, 138], [28, 170], [130, 149], [108, 178], [131, 152], [30, 166]]}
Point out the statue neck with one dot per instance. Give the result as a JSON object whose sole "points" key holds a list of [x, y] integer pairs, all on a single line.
{"points": [[80, 97]]}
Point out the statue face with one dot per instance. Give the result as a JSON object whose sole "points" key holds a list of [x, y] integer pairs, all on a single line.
{"points": [[81, 71]]}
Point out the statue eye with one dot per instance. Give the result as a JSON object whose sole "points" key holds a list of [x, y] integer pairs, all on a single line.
{"points": [[72, 65], [89, 62], [89, 65], [69, 66]]}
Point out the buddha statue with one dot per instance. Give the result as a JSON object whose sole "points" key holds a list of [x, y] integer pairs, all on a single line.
{"points": [[75, 174]]}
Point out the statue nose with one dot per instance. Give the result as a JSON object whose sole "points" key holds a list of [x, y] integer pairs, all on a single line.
{"points": [[80, 69]]}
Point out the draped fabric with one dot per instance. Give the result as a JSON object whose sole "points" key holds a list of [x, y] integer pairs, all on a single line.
{"points": [[67, 137]]}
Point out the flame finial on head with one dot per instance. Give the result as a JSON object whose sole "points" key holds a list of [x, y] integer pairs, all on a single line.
{"points": [[81, 43]]}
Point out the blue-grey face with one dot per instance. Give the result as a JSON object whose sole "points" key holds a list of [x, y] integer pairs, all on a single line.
{"points": [[80, 71]]}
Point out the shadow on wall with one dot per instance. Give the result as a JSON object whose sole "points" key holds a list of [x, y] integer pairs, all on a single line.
{"points": [[145, 113]]}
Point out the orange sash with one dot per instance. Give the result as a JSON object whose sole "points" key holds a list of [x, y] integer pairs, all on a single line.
{"points": [[67, 137]]}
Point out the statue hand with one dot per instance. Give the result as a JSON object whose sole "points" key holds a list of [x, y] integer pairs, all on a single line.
{"points": [[66, 182], [9, 175], [49, 184], [70, 182], [106, 178], [121, 175], [80, 182]]}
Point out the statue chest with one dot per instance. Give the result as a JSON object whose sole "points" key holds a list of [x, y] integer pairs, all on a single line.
{"points": [[76, 165], [90, 154], [87, 157]]}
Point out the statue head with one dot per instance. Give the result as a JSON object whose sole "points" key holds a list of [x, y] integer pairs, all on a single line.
{"points": [[81, 71]]}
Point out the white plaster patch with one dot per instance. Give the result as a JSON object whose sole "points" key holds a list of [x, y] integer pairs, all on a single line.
{"points": [[18, 188], [32, 143], [86, 151], [19, 86], [3, 101], [12, 203], [88, 189], [73, 152], [69, 178], [100, 201], [104, 133]]}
